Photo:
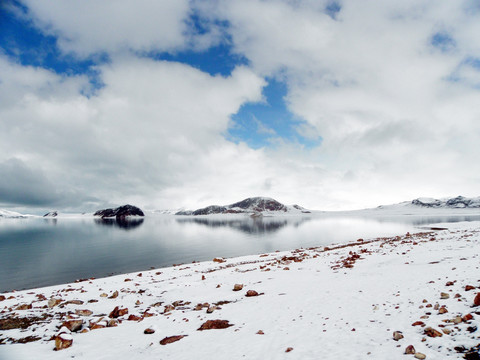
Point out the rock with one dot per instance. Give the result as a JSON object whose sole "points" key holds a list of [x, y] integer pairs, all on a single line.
{"points": [[446, 331], [83, 312], [219, 260], [117, 312], [24, 307], [53, 302], [51, 214], [397, 335], [120, 212], [418, 323], [410, 350], [63, 341], [149, 331], [469, 287], [211, 309], [134, 318], [442, 310], [112, 323], [457, 320], [73, 325], [214, 324], [431, 332], [450, 283], [476, 301], [103, 295], [467, 317], [98, 325], [289, 349], [419, 355], [444, 296], [74, 302], [237, 287], [251, 293], [2, 298], [260, 332], [114, 295], [171, 339]]}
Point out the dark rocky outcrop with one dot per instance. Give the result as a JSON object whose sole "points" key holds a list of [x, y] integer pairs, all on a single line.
{"points": [[457, 202], [51, 214], [120, 212]]}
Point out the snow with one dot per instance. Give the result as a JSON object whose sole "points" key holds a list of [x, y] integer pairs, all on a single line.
{"points": [[323, 303], [10, 214]]}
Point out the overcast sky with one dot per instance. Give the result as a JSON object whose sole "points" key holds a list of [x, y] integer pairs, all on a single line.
{"points": [[183, 103]]}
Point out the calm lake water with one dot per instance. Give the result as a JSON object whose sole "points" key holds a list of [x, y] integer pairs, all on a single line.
{"points": [[39, 252]]}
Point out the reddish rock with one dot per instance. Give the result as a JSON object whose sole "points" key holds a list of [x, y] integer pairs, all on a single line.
{"points": [[112, 323], [442, 310], [289, 349], [260, 332], [40, 297], [219, 260], [74, 302], [467, 317], [54, 302], [73, 325], [134, 318], [63, 341], [251, 293], [2, 297], [444, 295], [24, 307], [171, 339], [410, 350], [114, 295], [237, 287], [214, 324], [147, 314], [211, 309], [117, 312], [431, 332], [469, 287], [83, 312], [476, 301], [449, 283], [418, 323], [149, 331]]}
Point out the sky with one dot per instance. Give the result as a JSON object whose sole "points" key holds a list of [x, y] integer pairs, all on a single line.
{"points": [[332, 105]]}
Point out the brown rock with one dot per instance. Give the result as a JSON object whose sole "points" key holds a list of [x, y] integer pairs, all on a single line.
{"points": [[83, 312], [74, 302], [117, 312], [134, 318], [54, 302], [469, 287], [73, 325], [219, 260], [444, 295], [211, 309], [446, 331], [418, 323], [103, 295], [260, 332], [63, 341], [476, 301], [467, 317], [251, 293], [431, 332], [114, 295], [214, 324], [2, 297], [397, 335], [457, 320], [410, 350], [148, 331], [449, 283], [420, 356], [112, 323], [171, 339], [237, 287], [442, 310], [289, 349], [24, 307]]}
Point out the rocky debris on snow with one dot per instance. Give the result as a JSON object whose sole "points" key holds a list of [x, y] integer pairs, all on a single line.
{"points": [[63, 341], [420, 355], [51, 214], [214, 324], [171, 339], [73, 325], [410, 350], [120, 212], [251, 293], [117, 312], [476, 300], [237, 287], [397, 335], [289, 349], [149, 331], [54, 302]]}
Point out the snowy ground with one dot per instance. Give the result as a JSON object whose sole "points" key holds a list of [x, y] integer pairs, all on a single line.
{"points": [[339, 303]]}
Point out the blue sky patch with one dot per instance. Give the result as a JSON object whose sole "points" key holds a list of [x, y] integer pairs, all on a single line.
{"points": [[263, 124], [443, 41]]}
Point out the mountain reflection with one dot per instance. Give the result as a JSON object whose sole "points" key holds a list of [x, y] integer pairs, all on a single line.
{"points": [[121, 222], [252, 226]]}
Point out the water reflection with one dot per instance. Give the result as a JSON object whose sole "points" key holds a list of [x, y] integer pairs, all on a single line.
{"points": [[251, 226], [121, 222]]}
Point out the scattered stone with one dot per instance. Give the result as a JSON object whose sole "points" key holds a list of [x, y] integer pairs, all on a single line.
{"points": [[449, 283], [171, 339], [148, 331], [24, 307], [469, 287], [457, 320], [2, 298], [219, 260], [442, 310], [112, 323], [63, 341], [418, 323], [83, 312], [114, 295], [251, 293], [73, 325], [103, 295], [397, 335], [289, 349], [98, 325], [419, 355], [117, 312], [410, 350], [446, 331], [237, 287], [444, 296], [53, 302], [211, 309], [476, 301], [431, 332], [214, 324], [134, 318], [260, 332], [467, 317], [74, 302]]}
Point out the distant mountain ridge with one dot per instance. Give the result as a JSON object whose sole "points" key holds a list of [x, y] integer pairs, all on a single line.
{"points": [[254, 205], [459, 202]]}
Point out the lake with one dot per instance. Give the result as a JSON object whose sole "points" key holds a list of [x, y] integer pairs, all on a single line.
{"points": [[36, 252]]}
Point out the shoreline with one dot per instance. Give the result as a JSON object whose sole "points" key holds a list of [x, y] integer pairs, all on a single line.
{"points": [[350, 298]]}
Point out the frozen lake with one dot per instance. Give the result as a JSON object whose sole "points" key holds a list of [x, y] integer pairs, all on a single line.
{"points": [[37, 252]]}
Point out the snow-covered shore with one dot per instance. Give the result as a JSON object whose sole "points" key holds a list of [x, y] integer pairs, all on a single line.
{"points": [[343, 302]]}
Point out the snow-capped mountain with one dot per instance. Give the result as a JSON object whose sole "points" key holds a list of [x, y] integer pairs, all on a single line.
{"points": [[254, 205], [459, 202], [10, 214]]}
